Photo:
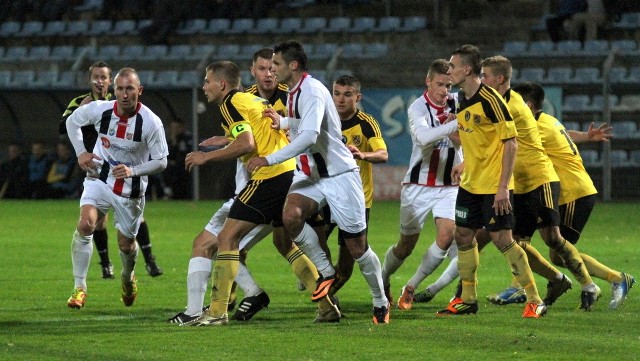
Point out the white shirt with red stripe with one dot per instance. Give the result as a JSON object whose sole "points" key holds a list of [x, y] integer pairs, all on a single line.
{"points": [[310, 107], [123, 140], [430, 164]]}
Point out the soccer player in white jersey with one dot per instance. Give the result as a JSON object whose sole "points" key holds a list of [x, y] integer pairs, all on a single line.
{"points": [[326, 173], [428, 186], [131, 145]]}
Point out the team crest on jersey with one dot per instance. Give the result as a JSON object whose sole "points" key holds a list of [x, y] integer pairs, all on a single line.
{"points": [[476, 119], [112, 132], [467, 116], [105, 142], [129, 136], [357, 140], [344, 139]]}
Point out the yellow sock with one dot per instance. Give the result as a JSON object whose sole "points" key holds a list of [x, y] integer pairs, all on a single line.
{"points": [[468, 261], [224, 272], [573, 261], [517, 259], [303, 268], [599, 270], [538, 263]]}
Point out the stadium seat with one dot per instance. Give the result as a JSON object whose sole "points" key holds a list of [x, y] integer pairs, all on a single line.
{"points": [[514, 48], [22, 78], [14, 54], [597, 103], [571, 125], [625, 129], [590, 158], [154, 53], [5, 78], [352, 51], [39, 53], [313, 25], [363, 24], [192, 27], [246, 78], [413, 23], [535, 75], [62, 53], [634, 157], [189, 79], [586, 75], [628, 103], [179, 52], [100, 27], [66, 80], [568, 48], [595, 47], [247, 51], [202, 51], [290, 25], [107, 53], [338, 24], [265, 26], [76, 28], [9, 29], [619, 158], [375, 50], [147, 77], [575, 103], [218, 27], [628, 21], [241, 26], [123, 27], [45, 79], [142, 24], [634, 75], [228, 51], [559, 75], [53, 28], [132, 52], [323, 51], [618, 75], [30, 28], [541, 48], [166, 78], [624, 46], [388, 24]]}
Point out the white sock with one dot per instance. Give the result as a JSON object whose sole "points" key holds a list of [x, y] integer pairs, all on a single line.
{"points": [[81, 252], [197, 280], [431, 259], [390, 265], [245, 281], [129, 262], [448, 276], [372, 272], [453, 251], [308, 242]]}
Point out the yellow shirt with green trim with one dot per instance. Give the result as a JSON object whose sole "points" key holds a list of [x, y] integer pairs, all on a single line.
{"points": [[242, 112], [363, 132], [575, 182], [483, 123]]}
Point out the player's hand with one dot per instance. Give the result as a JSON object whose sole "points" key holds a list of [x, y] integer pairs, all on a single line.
{"points": [[456, 173], [215, 141], [275, 117], [256, 163], [357, 154], [86, 163], [86, 100], [599, 134], [455, 137], [121, 171], [194, 158], [501, 202]]}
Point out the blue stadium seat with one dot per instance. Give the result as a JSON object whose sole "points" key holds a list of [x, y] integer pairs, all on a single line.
{"points": [[218, 27], [123, 27], [624, 46], [246, 78], [62, 53], [559, 75], [30, 28], [619, 158], [375, 50], [228, 51], [634, 157], [76, 28], [629, 103], [541, 48], [22, 78], [132, 52], [568, 48], [413, 23], [14, 54], [247, 50], [203, 50], [597, 103], [241, 26], [388, 24], [323, 51], [575, 103], [535, 75], [634, 75], [9, 29], [363, 24], [590, 158], [338, 24], [100, 27], [514, 48], [586, 75], [618, 75], [179, 52], [595, 47], [290, 25], [628, 21], [352, 51], [313, 25], [45, 79], [66, 80], [154, 53], [192, 27], [571, 125], [142, 24], [147, 77], [166, 78], [39, 53], [190, 78], [265, 26], [625, 129], [53, 28], [5, 78], [107, 53]]}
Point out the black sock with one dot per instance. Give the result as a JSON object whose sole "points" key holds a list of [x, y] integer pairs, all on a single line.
{"points": [[145, 242], [101, 238]]}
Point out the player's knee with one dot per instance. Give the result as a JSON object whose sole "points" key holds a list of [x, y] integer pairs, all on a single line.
{"points": [[86, 227]]}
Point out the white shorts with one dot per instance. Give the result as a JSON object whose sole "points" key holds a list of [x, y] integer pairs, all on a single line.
{"points": [[127, 212], [247, 242], [344, 195], [417, 201]]}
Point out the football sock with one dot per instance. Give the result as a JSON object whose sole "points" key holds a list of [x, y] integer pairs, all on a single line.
{"points": [[308, 242], [573, 261], [224, 272], [129, 261], [303, 268], [101, 238], [81, 251], [245, 281], [599, 270], [145, 242], [197, 279], [372, 272], [390, 265], [538, 263], [517, 259], [430, 261], [467, 267], [448, 276]]}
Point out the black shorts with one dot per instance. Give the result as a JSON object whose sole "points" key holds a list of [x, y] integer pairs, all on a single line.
{"points": [[476, 211], [536, 209], [342, 234], [574, 216], [261, 201]]}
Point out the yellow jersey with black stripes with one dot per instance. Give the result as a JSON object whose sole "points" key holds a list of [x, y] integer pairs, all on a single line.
{"points": [[533, 167], [278, 100], [242, 112], [575, 182], [363, 132], [483, 123]]}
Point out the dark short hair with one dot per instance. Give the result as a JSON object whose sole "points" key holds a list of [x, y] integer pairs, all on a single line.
{"points": [[499, 66], [470, 55], [438, 66], [292, 50], [348, 80], [264, 53], [531, 92], [226, 70], [100, 64]]}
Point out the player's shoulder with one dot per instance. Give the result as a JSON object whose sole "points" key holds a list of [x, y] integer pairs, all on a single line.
{"points": [[366, 117], [283, 87]]}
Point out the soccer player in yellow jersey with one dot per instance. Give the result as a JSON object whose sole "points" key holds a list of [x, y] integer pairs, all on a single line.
{"points": [[262, 199], [577, 192], [362, 135], [488, 138], [536, 193]]}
